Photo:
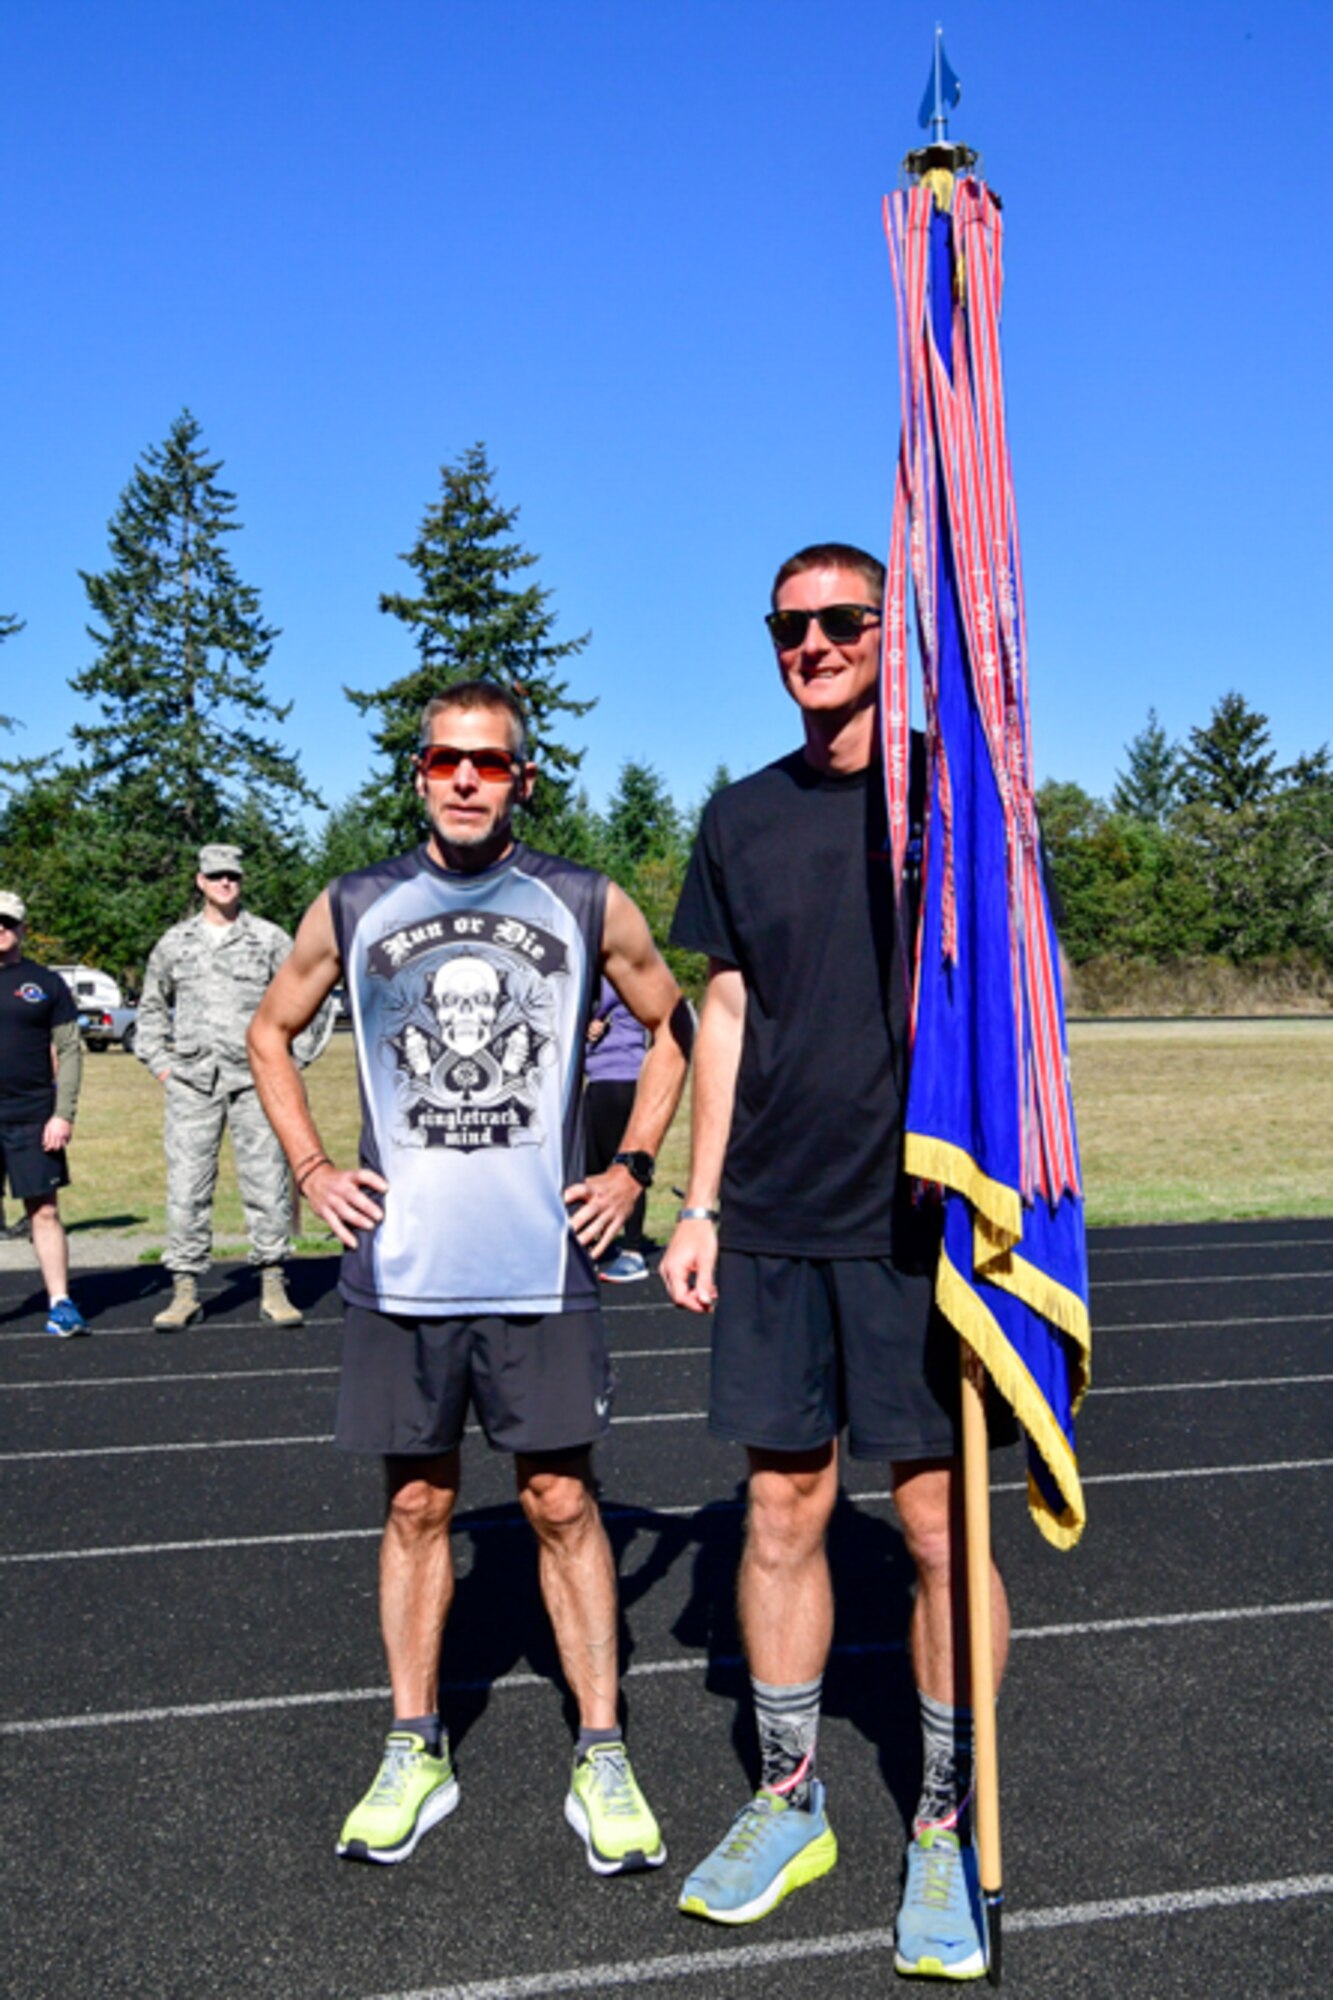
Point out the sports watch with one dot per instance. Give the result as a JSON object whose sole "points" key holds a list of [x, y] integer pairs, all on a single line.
{"points": [[641, 1165]]}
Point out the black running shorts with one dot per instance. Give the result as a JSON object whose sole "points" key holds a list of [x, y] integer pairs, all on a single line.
{"points": [[803, 1346], [31, 1171], [538, 1383]]}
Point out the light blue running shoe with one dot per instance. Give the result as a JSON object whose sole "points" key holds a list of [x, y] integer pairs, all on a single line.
{"points": [[771, 1849], [941, 1924]]}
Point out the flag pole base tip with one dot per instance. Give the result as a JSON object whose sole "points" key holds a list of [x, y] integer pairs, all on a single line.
{"points": [[993, 1900]]}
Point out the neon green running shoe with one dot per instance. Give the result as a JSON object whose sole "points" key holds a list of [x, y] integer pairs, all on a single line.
{"points": [[412, 1792], [610, 1814]]}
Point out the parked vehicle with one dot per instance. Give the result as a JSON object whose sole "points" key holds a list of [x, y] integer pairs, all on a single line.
{"points": [[101, 1026], [90, 987], [104, 1016]]}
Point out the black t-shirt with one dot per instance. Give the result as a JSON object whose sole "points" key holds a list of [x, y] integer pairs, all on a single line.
{"points": [[33, 1001], [790, 882]]}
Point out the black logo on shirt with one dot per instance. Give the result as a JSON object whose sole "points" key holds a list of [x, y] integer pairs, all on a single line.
{"points": [[474, 1030]]}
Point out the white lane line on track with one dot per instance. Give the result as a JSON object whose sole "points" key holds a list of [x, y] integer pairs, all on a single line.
{"points": [[38, 1336], [1192, 1388], [147, 1450], [640, 1670], [621, 1423], [153, 1381], [618, 1354], [223, 1542], [271, 1374], [260, 1443], [1100, 1285], [1190, 1325], [1205, 1283], [137, 1331], [1228, 1244], [733, 1959], [667, 1354], [612, 1513]]}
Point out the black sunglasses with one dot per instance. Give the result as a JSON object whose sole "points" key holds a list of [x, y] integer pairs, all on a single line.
{"points": [[222, 875], [840, 623], [494, 767]]}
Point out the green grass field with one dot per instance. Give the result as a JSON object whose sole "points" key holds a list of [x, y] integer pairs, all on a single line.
{"points": [[1178, 1122]]}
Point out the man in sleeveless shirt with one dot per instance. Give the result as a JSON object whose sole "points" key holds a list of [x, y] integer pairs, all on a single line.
{"points": [[797, 1230], [471, 967]]}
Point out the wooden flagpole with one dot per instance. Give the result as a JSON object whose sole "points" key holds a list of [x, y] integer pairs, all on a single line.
{"points": [[976, 1507]]}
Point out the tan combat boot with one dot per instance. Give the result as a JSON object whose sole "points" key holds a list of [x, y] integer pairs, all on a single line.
{"points": [[274, 1303], [184, 1307]]}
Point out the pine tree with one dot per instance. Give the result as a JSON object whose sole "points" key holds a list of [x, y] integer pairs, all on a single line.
{"points": [[277, 867], [469, 622], [349, 839], [641, 820], [1148, 790], [8, 627], [1229, 764], [179, 752]]}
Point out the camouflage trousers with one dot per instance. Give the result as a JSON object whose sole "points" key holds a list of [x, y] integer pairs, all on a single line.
{"points": [[193, 1133]]}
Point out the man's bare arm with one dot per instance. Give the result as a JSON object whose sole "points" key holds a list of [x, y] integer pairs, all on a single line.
{"points": [[631, 961], [298, 989], [689, 1268]]}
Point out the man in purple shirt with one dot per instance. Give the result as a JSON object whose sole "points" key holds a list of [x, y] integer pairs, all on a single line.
{"points": [[616, 1045]]}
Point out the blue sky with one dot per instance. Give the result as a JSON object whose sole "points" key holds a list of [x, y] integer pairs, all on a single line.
{"points": [[636, 249]]}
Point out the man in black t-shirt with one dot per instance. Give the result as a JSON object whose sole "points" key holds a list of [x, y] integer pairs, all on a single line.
{"points": [[798, 1229], [41, 1062]]}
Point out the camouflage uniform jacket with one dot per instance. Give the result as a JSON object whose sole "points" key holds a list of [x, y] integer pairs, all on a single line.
{"points": [[199, 997]]}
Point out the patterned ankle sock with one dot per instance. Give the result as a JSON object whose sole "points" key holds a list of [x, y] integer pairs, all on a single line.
{"points": [[788, 1724], [946, 1763]]}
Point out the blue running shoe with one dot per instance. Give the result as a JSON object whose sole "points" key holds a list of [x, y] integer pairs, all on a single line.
{"points": [[941, 1924], [627, 1269], [64, 1320], [771, 1849]]}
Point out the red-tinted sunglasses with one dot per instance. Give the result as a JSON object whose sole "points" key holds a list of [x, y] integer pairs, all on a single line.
{"points": [[442, 760]]}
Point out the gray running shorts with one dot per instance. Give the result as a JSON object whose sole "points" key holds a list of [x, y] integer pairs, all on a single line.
{"points": [[538, 1382], [803, 1346]]}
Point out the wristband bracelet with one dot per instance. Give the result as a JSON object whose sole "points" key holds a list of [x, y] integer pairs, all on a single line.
{"points": [[713, 1215], [313, 1168]]}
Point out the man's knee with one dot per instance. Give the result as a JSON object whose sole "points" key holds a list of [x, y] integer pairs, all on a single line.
{"points": [[417, 1505], [927, 1500], [557, 1500], [791, 1501]]}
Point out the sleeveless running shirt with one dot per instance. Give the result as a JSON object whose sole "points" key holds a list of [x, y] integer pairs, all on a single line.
{"points": [[469, 996]]}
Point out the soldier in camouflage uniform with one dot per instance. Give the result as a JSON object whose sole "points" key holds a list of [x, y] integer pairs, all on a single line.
{"points": [[204, 980]]}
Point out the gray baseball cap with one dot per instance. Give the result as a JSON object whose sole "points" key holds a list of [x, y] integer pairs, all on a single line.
{"points": [[215, 858], [12, 906]]}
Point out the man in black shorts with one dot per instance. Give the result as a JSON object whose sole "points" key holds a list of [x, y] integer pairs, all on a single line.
{"points": [[41, 1063], [798, 1229], [472, 966]]}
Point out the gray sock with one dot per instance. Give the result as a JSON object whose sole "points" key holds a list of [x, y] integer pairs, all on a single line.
{"points": [[427, 1727], [788, 1723], [588, 1739], [946, 1762]]}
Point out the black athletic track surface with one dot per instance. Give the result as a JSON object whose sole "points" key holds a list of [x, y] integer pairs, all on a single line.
{"points": [[193, 1688]]}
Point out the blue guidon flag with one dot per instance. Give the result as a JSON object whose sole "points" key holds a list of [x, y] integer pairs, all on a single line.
{"points": [[990, 1120]]}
